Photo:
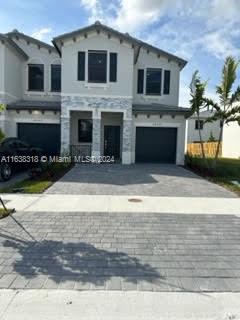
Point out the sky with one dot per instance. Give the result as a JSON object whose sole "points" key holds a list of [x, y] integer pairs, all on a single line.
{"points": [[203, 32]]}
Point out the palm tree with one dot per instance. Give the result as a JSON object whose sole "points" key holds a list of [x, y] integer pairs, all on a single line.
{"points": [[197, 103], [228, 108]]}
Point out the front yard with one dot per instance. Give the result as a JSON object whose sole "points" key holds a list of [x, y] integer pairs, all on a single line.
{"points": [[226, 173], [40, 182]]}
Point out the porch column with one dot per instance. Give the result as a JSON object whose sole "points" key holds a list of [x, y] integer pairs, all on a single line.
{"points": [[65, 135], [96, 133], [127, 140]]}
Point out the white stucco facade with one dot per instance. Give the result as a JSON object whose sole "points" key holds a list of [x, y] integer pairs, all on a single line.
{"points": [[111, 103], [230, 141]]}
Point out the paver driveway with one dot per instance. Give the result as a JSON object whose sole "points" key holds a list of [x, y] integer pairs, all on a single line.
{"points": [[138, 179], [160, 252]]}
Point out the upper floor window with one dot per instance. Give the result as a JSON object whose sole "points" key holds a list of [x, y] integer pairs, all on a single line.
{"points": [[113, 67], [166, 87], [55, 77], [198, 124], [36, 77], [97, 66], [140, 80], [154, 81]]}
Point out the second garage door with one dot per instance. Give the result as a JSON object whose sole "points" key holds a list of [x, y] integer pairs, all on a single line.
{"points": [[156, 144], [41, 135]]}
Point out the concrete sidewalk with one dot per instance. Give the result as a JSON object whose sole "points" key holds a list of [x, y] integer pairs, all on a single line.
{"points": [[107, 203], [99, 305]]}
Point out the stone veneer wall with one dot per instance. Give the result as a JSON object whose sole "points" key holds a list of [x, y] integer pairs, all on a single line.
{"points": [[97, 105]]}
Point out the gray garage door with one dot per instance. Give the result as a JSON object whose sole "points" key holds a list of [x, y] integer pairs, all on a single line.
{"points": [[45, 136], [156, 144]]}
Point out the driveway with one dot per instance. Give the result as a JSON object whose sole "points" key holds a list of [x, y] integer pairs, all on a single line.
{"points": [[124, 251], [138, 180]]}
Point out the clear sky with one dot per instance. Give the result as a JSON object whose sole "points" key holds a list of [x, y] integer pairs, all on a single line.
{"points": [[202, 31]]}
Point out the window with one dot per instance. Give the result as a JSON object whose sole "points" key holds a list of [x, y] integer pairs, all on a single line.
{"points": [[140, 80], [113, 67], [81, 66], [35, 77], [56, 77], [198, 124], [97, 66], [84, 130], [166, 88], [154, 81]]}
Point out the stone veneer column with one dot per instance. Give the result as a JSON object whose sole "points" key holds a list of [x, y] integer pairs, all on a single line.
{"points": [[65, 135], [96, 134], [127, 141]]}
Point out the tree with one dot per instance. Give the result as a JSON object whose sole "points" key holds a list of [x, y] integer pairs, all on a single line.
{"points": [[197, 103], [228, 108]]}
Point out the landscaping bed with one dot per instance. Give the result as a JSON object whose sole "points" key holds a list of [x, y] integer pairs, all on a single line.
{"points": [[39, 180], [226, 172]]}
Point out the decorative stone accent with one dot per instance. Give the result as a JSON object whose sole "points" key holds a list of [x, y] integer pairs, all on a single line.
{"points": [[98, 105], [96, 137], [65, 135]]}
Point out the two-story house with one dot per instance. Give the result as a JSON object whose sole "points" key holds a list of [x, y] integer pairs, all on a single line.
{"points": [[96, 92]]}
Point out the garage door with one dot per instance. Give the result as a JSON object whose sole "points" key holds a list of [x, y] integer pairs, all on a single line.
{"points": [[156, 144], [45, 136]]}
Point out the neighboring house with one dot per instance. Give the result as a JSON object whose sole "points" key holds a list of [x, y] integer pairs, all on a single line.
{"points": [[105, 91], [208, 130], [230, 142]]}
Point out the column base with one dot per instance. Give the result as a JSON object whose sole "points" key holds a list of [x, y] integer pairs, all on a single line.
{"points": [[126, 157]]}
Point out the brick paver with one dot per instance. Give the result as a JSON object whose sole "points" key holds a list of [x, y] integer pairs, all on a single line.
{"points": [[138, 179], [120, 251]]}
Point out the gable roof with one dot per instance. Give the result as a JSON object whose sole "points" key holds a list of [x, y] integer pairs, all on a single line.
{"points": [[16, 33], [97, 26], [13, 45]]}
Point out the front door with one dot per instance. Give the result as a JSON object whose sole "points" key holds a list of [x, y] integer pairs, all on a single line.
{"points": [[112, 141]]}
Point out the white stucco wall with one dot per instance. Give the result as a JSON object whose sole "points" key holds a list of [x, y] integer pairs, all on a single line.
{"points": [[13, 118], [41, 56], [193, 134], [231, 141], [151, 60], [13, 74], [178, 122], [94, 41], [2, 51]]}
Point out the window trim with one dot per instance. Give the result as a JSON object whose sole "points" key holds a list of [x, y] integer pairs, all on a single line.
{"points": [[56, 64], [28, 70], [78, 130], [153, 94], [107, 68]]}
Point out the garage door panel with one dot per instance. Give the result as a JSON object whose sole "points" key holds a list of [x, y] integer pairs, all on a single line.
{"points": [[45, 136], [156, 144]]}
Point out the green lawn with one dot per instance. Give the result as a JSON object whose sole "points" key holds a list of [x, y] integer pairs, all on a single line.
{"points": [[226, 171], [41, 182]]}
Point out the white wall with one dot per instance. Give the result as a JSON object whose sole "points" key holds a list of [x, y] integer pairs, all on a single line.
{"points": [[41, 56], [151, 60], [13, 73], [178, 122], [94, 41], [231, 141], [193, 134], [2, 52]]}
